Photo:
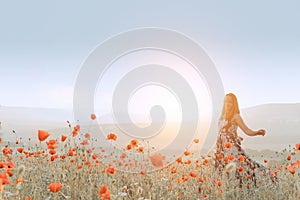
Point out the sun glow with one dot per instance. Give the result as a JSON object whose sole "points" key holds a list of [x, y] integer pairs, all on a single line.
{"points": [[144, 98]]}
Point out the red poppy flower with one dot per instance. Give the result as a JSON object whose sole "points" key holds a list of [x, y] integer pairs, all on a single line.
{"points": [[241, 158], [231, 157], [55, 187], [84, 142], [20, 149], [102, 189], [196, 141], [140, 150], [128, 147], [174, 170], [134, 143], [63, 138], [228, 145], [186, 153], [111, 136], [43, 135], [241, 169], [52, 144], [93, 116], [193, 174], [200, 179], [110, 170], [297, 147], [87, 136], [4, 179], [52, 151]]}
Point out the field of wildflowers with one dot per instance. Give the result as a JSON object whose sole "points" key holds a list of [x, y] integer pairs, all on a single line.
{"points": [[68, 166]]}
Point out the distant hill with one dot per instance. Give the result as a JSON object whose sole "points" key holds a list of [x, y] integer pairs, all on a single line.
{"points": [[281, 121], [26, 121]]}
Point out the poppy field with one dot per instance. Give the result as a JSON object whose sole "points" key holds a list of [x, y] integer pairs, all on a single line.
{"points": [[69, 166]]}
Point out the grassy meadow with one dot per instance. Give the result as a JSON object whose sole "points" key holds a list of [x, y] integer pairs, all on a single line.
{"points": [[70, 165]]}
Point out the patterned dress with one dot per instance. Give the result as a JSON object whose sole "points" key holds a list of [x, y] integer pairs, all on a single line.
{"points": [[229, 150]]}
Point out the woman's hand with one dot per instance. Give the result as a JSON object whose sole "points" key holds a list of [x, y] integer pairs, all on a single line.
{"points": [[261, 132]]}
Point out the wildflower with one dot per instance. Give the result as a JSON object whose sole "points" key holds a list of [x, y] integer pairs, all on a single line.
{"points": [[140, 150], [6, 151], [200, 179], [187, 162], [128, 147], [205, 161], [231, 157], [241, 169], [4, 179], [241, 158], [20, 149], [134, 143], [219, 183], [111, 136], [185, 178], [219, 192], [179, 160], [123, 155], [174, 170], [93, 116], [186, 153], [199, 190], [297, 147], [110, 170], [193, 174], [77, 128], [52, 151], [63, 138], [52, 144], [226, 160], [196, 141], [104, 192], [143, 172], [219, 156], [87, 136], [71, 153], [292, 171], [228, 145], [55, 187], [84, 142], [43, 135], [296, 164], [74, 133], [180, 195], [289, 157], [20, 180], [265, 161]]}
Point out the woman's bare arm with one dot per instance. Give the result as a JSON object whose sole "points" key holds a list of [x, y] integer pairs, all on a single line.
{"points": [[240, 122]]}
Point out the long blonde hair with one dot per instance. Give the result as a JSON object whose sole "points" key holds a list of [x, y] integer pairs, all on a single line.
{"points": [[234, 111]]}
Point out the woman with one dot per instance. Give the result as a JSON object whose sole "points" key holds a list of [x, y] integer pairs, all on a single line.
{"points": [[228, 148]]}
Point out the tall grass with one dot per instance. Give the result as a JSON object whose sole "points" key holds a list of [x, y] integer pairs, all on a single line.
{"points": [[86, 171]]}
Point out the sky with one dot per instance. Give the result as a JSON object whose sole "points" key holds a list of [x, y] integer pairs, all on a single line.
{"points": [[254, 44]]}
